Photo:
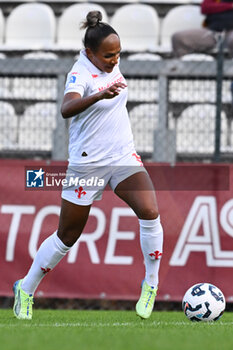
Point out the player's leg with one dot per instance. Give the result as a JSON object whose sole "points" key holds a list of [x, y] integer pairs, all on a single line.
{"points": [[192, 41], [72, 221], [138, 192]]}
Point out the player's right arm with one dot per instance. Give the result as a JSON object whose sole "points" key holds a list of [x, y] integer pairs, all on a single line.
{"points": [[73, 103]]}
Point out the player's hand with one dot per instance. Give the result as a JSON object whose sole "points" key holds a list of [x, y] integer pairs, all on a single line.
{"points": [[112, 91]]}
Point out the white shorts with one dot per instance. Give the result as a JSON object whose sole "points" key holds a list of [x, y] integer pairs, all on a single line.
{"points": [[86, 183]]}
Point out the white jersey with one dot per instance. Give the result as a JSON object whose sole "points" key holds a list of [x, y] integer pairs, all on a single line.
{"points": [[103, 129]]}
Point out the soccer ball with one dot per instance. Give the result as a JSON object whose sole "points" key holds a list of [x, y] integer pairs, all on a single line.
{"points": [[203, 302]]}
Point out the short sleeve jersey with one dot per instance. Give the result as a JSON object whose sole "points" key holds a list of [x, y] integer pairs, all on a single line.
{"points": [[103, 130]]}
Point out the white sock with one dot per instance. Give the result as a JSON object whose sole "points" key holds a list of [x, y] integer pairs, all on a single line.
{"points": [[151, 239], [51, 251]]}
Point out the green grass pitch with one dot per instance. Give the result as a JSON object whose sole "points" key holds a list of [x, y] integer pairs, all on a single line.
{"points": [[111, 330]]}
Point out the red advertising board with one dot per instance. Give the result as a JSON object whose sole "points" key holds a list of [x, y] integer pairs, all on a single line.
{"points": [[196, 209]]}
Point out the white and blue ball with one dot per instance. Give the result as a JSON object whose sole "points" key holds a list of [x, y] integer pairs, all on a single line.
{"points": [[203, 302]]}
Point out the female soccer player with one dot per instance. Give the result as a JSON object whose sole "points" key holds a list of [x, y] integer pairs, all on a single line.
{"points": [[101, 144]]}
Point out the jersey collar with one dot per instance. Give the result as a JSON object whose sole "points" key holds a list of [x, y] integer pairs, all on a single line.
{"points": [[91, 67]]}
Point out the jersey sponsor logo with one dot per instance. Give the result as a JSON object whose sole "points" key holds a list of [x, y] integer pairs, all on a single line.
{"points": [[118, 80], [94, 75]]}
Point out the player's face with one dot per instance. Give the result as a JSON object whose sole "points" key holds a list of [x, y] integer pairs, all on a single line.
{"points": [[107, 55]]}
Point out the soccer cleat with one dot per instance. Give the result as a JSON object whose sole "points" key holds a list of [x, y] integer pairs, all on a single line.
{"points": [[145, 304], [23, 302]]}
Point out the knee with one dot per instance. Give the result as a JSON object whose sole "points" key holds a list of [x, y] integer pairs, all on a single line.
{"points": [[148, 214], [68, 237]]}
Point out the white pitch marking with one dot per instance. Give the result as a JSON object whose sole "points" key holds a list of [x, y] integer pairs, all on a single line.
{"points": [[116, 324]]}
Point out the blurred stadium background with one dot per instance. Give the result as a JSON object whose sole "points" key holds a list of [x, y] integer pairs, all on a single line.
{"points": [[180, 109]]}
